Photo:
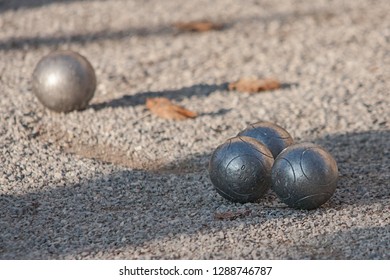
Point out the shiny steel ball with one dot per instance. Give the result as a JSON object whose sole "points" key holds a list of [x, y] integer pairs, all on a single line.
{"points": [[274, 137], [64, 81], [304, 176], [240, 169]]}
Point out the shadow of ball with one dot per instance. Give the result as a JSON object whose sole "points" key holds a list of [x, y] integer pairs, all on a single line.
{"points": [[240, 169], [274, 137], [304, 176], [64, 81]]}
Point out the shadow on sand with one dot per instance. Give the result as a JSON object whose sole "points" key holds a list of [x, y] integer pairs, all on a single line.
{"points": [[28, 4], [200, 90], [161, 30], [130, 207]]}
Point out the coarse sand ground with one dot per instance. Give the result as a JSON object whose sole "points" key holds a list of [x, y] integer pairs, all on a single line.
{"points": [[116, 182]]}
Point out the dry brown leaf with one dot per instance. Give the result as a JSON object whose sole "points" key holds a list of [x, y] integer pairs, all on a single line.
{"points": [[231, 215], [253, 85], [164, 108], [198, 26]]}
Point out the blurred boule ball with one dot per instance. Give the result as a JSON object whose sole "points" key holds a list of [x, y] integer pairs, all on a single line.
{"points": [[64, 81]]}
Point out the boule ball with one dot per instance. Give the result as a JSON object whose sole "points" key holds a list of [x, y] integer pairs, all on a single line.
{"points": [[273, 136], [240, 169], [304, 176], [64, 81]]}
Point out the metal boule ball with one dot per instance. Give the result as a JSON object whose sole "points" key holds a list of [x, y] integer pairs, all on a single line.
{"points": [[64, 81], [304, 176], [273, 136], [240, 169]]}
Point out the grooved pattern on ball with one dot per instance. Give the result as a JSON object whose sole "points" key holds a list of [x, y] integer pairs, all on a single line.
{"points": [[257, 149], [312, 201], [284, 167], [304, 176], [319, 162], [240, 169], [274, 137]]}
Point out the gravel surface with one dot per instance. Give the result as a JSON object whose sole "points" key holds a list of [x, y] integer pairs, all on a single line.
{"points": [[115, 182]]}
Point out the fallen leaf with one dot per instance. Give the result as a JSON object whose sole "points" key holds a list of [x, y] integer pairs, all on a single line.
{"points": [[198, 26], [164, 108], [253, 85], [231, 215]]}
